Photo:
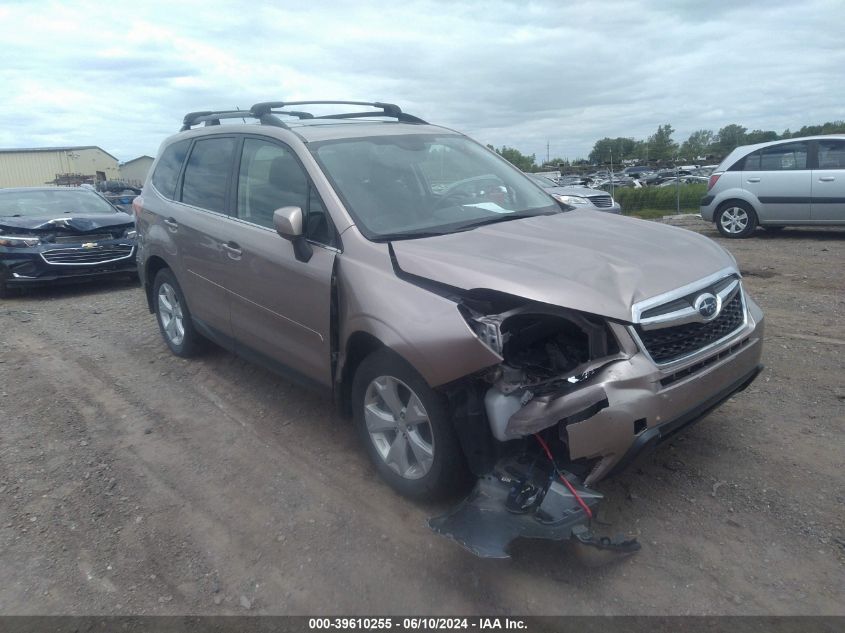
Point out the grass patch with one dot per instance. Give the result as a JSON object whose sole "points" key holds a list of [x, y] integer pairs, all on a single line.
{"points": [[653, 201]]}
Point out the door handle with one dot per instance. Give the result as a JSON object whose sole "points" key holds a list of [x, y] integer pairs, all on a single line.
{"points": [[753, 180], [171, 224], [827, 178], [232, 250]]}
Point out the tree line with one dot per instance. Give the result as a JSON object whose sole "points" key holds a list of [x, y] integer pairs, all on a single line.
{"points": [[661, 148]]}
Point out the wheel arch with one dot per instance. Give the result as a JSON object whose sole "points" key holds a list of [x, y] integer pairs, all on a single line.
{"points": [[151, 268], [359, 345]]}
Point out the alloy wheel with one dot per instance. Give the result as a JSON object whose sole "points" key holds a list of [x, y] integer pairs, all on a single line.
{"points": [[734, 220], [170, 312], [399, 427]]}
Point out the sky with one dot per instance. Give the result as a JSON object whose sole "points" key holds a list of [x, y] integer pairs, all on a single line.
{"points": [[121, 75]]}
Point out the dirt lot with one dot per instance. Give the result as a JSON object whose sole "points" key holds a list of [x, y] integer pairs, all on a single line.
{"points": [[132, 481]]}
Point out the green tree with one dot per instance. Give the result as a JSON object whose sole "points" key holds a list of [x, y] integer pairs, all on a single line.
{"points": [[698, 144], [660, 144], [516, 158], [729, 137], [760, 136], [621, 148]]}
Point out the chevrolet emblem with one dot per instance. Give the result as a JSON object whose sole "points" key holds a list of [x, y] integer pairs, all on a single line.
{"points": [[89, 244]]}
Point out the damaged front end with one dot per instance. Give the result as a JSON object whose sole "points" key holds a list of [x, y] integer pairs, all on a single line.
{"points": [[543, 383], [526, 498]]}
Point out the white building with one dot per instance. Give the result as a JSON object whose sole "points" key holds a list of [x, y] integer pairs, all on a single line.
{"points": [[135, 171]]}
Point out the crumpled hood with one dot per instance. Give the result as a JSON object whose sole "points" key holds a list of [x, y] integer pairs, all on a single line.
{"points": [[596, 263], [76, 223]]}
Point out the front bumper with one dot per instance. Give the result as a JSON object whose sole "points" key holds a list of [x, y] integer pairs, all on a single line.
{"points": [[632, 403], [615, 208], [28, 267]]}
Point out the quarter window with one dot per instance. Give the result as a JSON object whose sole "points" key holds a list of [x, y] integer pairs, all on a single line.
{"points": [[169, 165], [831, 155], [786, 157], [207, 173]]}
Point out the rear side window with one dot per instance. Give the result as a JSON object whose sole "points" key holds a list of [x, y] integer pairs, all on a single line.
{"points": [[786, 157], [168, 167], [831, 154], [207, 173]]}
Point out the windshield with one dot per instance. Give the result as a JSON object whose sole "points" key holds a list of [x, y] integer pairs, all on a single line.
{"points": [[49, 202], [408, 186]]}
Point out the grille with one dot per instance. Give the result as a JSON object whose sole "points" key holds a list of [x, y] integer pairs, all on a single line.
{"points": [[602, 201], [78, 239], [671, 343], [97, 255]]}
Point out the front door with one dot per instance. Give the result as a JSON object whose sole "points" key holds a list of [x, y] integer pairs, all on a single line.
{"points": [[779, 176], [828, 205], [280, 306]]}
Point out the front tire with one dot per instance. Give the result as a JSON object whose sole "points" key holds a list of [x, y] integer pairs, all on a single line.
{"points": [[406, 429], [736, 219], [173, 316]]}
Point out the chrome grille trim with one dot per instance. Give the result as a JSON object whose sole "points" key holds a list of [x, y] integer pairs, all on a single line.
{"points": [[601, 201], [87, 256], [632, 329], [641, 306]]}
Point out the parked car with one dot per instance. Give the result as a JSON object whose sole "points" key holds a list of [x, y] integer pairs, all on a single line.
{"points": [[464, 319], [777, 184], [61, 234], [578, 197]]}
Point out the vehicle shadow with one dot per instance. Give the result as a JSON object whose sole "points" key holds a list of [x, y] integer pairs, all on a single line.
{"points": [[825, 234], [809, 233], [68, 290]]}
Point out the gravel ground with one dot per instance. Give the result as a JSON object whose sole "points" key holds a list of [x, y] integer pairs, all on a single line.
{"points": [[132, 481]]}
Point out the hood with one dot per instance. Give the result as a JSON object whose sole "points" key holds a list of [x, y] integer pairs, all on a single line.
{"points": [[76, 223], [587, 261], [582, 192]]}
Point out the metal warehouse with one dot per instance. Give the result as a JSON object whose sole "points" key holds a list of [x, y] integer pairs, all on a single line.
{"points": [[56, 165], [135, 171]]}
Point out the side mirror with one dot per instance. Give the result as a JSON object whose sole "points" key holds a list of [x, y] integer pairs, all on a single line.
{"points": [[288, 223]]}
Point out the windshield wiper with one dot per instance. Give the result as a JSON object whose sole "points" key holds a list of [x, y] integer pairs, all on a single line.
{"points": [[502, 217]]}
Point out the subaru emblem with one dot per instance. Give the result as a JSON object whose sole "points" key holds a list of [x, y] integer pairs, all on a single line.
{"points": [[707, 305]]}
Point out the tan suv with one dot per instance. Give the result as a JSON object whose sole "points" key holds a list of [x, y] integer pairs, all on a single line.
{"points": [[470, 323]]}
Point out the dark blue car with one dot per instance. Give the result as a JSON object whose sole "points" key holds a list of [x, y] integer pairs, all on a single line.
{"points": [[57, 234]]}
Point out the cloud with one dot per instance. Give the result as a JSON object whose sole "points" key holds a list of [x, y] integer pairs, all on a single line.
{"points": [[121, 75]]}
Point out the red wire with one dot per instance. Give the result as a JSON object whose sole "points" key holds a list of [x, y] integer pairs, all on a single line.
{"points": [[564, 479]]}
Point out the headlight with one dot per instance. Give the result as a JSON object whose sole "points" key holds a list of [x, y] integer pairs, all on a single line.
{"points": [[24, 241], [130, 234], [575, 201]]}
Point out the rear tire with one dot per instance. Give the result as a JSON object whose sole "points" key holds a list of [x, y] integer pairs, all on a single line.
{"points": [[736, 219], [406, 429], [174, 317]]}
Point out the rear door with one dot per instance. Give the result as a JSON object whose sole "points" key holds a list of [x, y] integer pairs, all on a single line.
{"points": [[779, 176], [828, 183], [199, 223], [281, 307]]}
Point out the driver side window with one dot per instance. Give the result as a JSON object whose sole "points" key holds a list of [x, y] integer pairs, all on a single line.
{"points": [[271, 177]]}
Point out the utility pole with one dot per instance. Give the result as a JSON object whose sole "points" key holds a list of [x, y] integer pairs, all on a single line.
{"points": [[548, 158]]}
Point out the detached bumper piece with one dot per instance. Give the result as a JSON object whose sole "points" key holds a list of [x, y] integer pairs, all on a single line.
{"points": [[522, 498]]}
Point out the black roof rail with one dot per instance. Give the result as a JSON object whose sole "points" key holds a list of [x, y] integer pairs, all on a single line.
{"points": [[212, 117], [388, 109]]}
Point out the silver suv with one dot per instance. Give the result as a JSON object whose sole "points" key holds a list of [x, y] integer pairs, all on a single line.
{"points": [[799, 181], [469, 323]]}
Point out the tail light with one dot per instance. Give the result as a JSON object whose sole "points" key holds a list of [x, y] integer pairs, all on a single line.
{"points": [[137, 207], [714, 178]]}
